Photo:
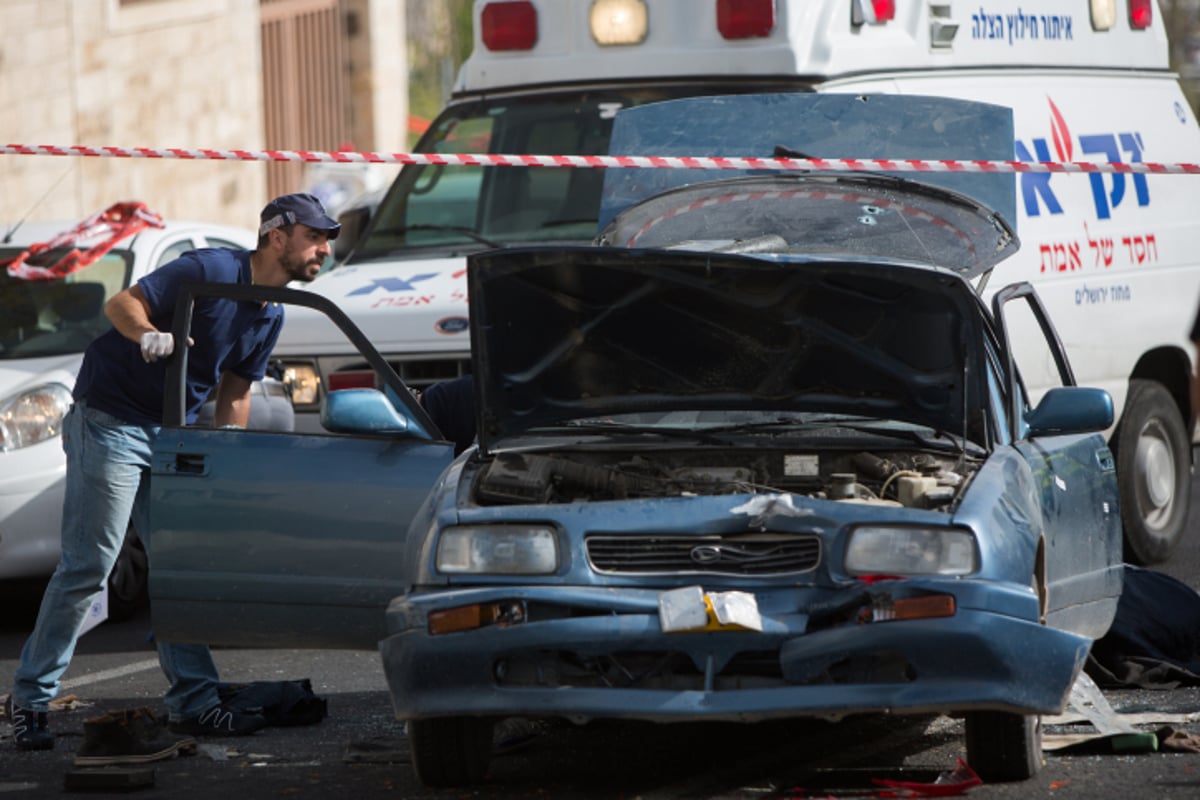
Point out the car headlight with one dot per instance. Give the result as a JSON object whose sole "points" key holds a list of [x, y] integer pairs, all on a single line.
{"points": [[33, 416], [498, 550], [302, 382], [878, 549]]}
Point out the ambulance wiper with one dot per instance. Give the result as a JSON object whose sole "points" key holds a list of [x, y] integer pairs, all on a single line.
{"points": [[787, 152]]}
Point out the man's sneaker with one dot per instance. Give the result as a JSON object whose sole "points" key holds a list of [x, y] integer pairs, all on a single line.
{"points": [[221, 721], [30, 729], [132, 736]]}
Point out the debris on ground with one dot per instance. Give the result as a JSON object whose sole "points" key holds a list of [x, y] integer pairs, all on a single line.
{"points": [[1172, 740], [1110, 732], [859, 783], [380, 750], [69, 702], [217, 752]]}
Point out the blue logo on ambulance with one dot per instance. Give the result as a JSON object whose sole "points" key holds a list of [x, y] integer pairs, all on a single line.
{"points": [[394, 284], [1108, 191]]}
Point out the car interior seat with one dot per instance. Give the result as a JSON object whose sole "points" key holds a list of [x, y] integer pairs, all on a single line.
{"points": [[18, 313], [76, 303]]}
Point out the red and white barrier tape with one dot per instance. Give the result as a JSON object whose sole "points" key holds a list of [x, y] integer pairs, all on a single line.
{"points": [[606, 162]]}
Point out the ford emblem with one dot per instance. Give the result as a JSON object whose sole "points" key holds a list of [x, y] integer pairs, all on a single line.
{"points": [[706, 554], [449, 325]]}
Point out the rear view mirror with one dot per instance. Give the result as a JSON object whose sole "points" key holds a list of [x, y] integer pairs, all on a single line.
{"points": [[353, 221]]}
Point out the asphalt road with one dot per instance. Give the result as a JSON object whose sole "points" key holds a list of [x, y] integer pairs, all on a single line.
{"points": [[360, 751]]}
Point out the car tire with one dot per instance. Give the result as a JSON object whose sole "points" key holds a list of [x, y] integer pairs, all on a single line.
{"points": [[1153, 454], [1002, 746], [127, 592], [450, 751]]}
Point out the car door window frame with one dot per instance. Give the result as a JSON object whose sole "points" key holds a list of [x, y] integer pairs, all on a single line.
{"points": [[1017, 392], [174, 406]]}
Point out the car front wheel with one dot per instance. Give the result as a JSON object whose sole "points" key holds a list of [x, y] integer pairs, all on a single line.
{"points": [[1153, 471], [450, 751], [1002, 746]]}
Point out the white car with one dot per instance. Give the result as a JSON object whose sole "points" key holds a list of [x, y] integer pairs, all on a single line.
{"points": [[44, 328]]}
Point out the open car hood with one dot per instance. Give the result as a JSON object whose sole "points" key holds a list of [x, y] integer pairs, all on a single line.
{"points": [[587, 332]]}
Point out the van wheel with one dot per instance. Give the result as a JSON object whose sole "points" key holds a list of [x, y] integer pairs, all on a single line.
{"points": [[1002, 746], [127, 581], [450, 751], [1153, 471]]}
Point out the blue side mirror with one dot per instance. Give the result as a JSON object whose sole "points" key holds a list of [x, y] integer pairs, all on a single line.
{"points": [[1071, 409], [361, 411]]}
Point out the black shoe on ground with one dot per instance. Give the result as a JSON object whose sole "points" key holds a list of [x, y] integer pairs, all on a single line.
{"points": [[30, 729], [132, 736], [221, 721]]}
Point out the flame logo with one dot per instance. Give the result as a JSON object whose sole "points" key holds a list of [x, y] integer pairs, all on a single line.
{"points": [[1061, 133]]}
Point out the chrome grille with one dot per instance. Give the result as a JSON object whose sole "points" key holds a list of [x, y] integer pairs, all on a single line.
{"points": [[733, 554]]}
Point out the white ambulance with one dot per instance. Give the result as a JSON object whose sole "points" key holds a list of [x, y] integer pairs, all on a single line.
{"points": [[1115, 257]]}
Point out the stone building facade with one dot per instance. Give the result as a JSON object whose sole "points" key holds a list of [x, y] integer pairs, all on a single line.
{"points": [[174, 73]]}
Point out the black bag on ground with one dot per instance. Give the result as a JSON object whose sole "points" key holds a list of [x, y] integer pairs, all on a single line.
{"points": [[282, 702], [1154, 641]]}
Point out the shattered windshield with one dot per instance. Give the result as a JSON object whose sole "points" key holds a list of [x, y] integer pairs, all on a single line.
{"points": [[472, 208], [832, 126], [857, 215], [49, 318]]}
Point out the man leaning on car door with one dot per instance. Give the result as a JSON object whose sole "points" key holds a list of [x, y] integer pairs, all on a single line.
{"points": [[109, 433]]}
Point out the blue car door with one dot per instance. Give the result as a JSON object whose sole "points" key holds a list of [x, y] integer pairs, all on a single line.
{"points": [[1075, 479], [278, 538]]}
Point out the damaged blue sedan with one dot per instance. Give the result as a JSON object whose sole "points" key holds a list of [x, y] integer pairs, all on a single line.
{"points": [[762, 451]]}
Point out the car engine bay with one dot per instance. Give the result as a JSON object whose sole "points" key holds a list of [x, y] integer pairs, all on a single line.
{"points": [[912, 479]]}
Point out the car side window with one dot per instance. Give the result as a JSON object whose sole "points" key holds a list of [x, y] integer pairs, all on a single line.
{"points": [[174, 251], [1035, 352], [214, 241], [998, 390], [1032, 353]]}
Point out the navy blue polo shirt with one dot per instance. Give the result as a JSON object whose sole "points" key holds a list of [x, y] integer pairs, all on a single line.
{"points": [[232, 335]]}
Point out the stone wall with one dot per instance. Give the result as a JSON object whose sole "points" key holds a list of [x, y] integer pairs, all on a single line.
{"points": [[154, 73]]}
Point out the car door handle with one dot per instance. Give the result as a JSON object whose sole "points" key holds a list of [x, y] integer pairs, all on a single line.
{"points": [[189, 464]]}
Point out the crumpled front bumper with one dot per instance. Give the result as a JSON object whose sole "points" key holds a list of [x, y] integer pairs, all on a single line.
{"points": [[977, 659]]}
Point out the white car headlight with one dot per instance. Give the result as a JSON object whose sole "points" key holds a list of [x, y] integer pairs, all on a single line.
{"points": [[303, 383], [498, 550], [876, 549], [33, 416]]}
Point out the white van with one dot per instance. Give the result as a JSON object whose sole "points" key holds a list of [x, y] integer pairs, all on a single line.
{"points": [[1115, 257]]}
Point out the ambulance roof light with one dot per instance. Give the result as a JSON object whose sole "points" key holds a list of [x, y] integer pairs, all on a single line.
{"points": [[872, 12], [509, 25], [1141, 14], [745, 19], [617, 22], [1104, 14]]}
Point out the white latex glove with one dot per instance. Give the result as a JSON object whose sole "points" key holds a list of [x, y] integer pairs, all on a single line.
{"points": [[156, 345]]}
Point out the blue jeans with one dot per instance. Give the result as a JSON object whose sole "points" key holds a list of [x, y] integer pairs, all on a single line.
{"points": [[107, 486]]}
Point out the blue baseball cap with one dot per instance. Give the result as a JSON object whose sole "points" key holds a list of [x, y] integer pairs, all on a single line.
{"points": [[289, 209]]}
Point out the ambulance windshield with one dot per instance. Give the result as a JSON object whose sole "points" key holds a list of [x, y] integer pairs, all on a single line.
{"points": [[453, 210]]}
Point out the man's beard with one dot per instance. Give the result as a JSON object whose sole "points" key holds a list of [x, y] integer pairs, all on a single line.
{"points": [[297, 267]]}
